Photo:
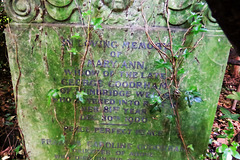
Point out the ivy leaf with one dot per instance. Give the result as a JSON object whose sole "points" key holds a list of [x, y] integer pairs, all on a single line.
{"points": [[230, 131], [227, 154], [201, 157], [203, 30], [228, 114], [235, 154], [80, 96], [200, 4], [17, 149], [161, 64], [7, 123], [181, 71], [155, 109], [96, 22], [95, 27], [52, 93], [192, 95], [190, 147], [222, 148], [155, 99], [234, 95], [197, 99], [196, 22], [196, 29], [199, 17], [193, 15], [186, 53], [62, 138], [87, 13], [192, 89], [230, 125], [235, 144], [222, 136], [72, 146], [76, 36], [171, 118], [73, 50]]}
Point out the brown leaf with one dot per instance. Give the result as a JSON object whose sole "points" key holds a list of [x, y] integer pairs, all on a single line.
{"points": [[2, 121], [222, 141]]}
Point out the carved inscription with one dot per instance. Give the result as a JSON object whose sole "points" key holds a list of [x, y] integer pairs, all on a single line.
{"points": [[123, 88]]}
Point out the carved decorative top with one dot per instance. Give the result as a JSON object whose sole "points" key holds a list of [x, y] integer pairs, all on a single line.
{"points": [[117, 12], [117, 5], [22, 10]]}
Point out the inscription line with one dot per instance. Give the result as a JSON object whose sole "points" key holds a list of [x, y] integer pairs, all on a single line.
{"points": [[114, 124]]}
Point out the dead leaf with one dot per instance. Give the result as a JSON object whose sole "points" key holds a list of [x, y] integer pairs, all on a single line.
{"points": [[2, 121], [21, 152], [222, 141], [5, 157], [11, 118]]}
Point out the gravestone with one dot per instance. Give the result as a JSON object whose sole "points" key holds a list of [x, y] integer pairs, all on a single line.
{"points": [[119, 123]]}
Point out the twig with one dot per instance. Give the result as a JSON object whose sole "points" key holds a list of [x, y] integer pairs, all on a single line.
{"points": [[98, 85], [173, 60], [81, 71], [180, 80], [179, 129], [74, 128], [173, 73], [75, 118], [161, 53], [185, 35], [176, 116], [169, 29], [55, 115], [85, 54], [197, 43], [6, 150], [97, 152], [80, 14], [162, 43], [8, 136], [67, 154]]}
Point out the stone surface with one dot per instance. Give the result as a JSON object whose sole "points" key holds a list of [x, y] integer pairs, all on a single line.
{"points": [[124, 126]]}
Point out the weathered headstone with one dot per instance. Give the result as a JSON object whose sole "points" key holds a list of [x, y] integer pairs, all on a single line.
{"points": [[119, 123]]}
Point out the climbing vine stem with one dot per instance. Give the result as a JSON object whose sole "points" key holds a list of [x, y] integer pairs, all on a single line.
{"points": [[82, 62], [172, 62]]}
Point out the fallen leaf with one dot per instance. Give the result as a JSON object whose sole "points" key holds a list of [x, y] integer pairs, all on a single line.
{"points": [[222, 141], [2, 121], [5, 157]]}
